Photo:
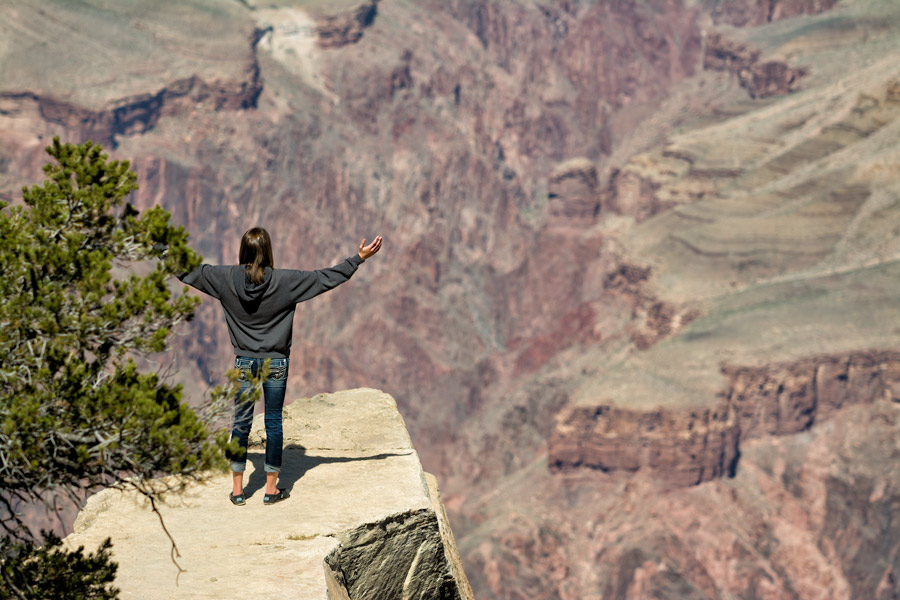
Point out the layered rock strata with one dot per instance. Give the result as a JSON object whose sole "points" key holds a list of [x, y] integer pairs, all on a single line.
{"points": [[441, 124], [363, 519], [788, 398], [150, 64], [757, 12], [682, 447], [139, 113], [686, 446], [347, 27], [761, 79], [573, 192]]}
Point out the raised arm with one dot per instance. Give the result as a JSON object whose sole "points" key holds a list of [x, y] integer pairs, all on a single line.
{"points": [[309, 284]]}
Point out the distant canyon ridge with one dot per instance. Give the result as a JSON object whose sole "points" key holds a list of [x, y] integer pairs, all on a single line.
{"points": [[637, 300]]}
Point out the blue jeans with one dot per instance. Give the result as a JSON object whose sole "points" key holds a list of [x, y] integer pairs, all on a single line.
{"points": [[273, 388]]}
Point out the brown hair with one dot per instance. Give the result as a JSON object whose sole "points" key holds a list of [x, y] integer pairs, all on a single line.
{"points": [[256, 253]]}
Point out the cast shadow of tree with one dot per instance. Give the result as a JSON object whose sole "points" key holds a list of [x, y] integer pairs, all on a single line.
{"points": [[295, 464]]}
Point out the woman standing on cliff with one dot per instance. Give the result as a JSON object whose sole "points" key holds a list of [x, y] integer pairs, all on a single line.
{"points": [[259, 302]]}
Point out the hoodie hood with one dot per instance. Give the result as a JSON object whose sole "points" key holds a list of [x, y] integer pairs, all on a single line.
{"points": [[250, 293]]}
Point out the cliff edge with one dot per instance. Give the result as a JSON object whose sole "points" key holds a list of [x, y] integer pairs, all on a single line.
{"points": [[363, 520]]}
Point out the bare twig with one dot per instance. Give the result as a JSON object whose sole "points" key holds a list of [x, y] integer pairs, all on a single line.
{"points": [[173, 553]]}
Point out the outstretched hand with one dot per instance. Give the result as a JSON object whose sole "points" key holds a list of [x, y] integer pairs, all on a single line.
{"points": [[367, 251]]}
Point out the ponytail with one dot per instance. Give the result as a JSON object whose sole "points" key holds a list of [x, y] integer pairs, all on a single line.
{"points": [[256, 254]]}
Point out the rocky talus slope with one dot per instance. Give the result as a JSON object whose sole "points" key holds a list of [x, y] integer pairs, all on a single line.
{"points": [[363, 519]]}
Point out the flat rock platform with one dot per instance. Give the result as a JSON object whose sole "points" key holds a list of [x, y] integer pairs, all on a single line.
{"points": [[362, 521]]}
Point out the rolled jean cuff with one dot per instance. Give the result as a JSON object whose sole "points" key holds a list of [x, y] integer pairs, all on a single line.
{"points": [[238, 467], [270, 469]]}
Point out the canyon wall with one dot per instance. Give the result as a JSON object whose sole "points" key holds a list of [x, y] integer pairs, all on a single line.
{"points": [[136, 114], [687, 446], [564, 187]]}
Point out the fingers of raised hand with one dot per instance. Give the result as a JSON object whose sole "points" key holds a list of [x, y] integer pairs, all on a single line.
{"points": [[367, 251]]}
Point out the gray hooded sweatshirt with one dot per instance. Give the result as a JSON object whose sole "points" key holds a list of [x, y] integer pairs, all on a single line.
{"points": [[260, 316]]}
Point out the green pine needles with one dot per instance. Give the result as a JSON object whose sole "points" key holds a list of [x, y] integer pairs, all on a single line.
{"points": [[76, 412]]}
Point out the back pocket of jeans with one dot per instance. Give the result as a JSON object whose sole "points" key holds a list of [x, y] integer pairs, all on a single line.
{"points": [[244, 366], [278, 369]]}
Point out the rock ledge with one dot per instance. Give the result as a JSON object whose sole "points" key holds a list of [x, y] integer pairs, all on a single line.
{"points": [[363, 520]]}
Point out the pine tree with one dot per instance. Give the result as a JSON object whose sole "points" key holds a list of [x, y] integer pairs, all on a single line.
{"points": [[76, 411]]}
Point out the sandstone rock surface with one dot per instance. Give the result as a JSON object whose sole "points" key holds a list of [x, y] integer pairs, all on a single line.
{"points": [[361, 522]]}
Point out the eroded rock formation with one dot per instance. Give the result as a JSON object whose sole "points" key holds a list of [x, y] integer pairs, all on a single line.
{"points": [[680, 447], [760, 79], [652, 318], [631, 194], [138, 114], [347, 27], [687, 446], [787, 398], [757, 12], [442, 124], [573, 192]]}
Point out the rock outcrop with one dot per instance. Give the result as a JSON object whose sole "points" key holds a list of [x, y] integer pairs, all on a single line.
{"points": [[760, 79], [687, 446], [680, 448], [788, 398], [631, 194], [652, 318], [756, 12], [402, 556], [216, 71], [140, 113], [347, 27], [363, 520], [573, 193]]}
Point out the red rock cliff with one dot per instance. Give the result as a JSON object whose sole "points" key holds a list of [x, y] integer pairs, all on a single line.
{"points": [[687, 446]]}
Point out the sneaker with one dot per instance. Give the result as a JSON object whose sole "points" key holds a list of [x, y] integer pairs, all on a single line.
{"points": [[238, 500]]}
